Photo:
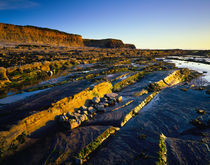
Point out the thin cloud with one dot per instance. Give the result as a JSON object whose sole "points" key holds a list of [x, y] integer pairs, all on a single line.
{"points": [[16, 4]]}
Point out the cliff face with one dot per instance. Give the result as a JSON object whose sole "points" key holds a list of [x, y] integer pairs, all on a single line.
{"points": [[35, 35], [130, 46], [14, 34], [107, 43]]}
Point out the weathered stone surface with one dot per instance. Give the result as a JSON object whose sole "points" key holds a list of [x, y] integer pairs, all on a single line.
{"points": [[111, 102], [50, 73], [105, 104], [85, 112], [111, 95], [96, 100], [83, 108], [100, 108], [119, 99], [201, 111], [37, 35], [68, 104], [142, 92]]}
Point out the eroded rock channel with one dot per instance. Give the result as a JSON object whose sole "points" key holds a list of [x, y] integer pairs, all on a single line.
{"points": [[147, 113]]}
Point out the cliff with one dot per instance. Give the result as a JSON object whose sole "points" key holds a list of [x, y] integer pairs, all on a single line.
{"points": [[35, 35], [15, 34], [130, 46], [107, 43]]}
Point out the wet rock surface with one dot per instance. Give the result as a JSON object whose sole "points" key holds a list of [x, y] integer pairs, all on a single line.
{"points": [[13, 112], [138, 141], [97, 105], [134, 125]]}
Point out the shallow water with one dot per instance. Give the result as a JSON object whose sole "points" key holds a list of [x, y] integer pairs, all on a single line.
{"points": [[197, 66], [194, 66], [191, 57], [17, 97]]}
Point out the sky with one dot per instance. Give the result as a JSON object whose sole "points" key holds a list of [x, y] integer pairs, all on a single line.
{"points": [[149, 24]]}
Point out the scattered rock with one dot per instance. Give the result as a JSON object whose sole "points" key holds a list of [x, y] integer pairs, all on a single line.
{"points": [[91, 110], [198, 123], [75, 119], [62, 118], [85, 112], [96, 100], [103, 100], [119, 99], [78, 111], [183, 89], [201, 111], [111, 102], [106, 104], [68, 114], [83, 108], [50, 73], [100, 108], [111, 95], [192, 86]]}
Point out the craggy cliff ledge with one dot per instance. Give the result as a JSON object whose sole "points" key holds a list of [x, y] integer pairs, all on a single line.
{"points": [[36, 35]]}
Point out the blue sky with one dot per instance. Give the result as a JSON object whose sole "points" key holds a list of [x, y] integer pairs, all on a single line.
{"points": [[151, 24]]}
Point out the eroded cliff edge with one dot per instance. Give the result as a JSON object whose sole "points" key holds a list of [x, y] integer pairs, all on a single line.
{"points": [[35, 35]]}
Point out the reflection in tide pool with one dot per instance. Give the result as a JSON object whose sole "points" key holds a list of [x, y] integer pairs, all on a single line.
{"points": [[17, 97], [202, 68]]}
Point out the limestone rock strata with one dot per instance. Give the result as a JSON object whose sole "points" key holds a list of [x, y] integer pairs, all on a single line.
{"points": [[39, 120], [107, 43], [36, 35], [174, 78]]}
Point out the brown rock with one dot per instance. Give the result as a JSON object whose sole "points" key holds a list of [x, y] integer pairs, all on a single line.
{"points": [[111, 95], [96, 100], [119, 99]]}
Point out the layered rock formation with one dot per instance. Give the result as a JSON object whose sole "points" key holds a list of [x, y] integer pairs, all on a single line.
{"points": [[39, 120], [107, 43], [35, 35], [14, 34]]}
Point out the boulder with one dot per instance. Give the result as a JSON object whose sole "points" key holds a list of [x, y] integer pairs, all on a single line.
{"points": [[111, 95], [68, 114], [78, 111], [85, 112], [96, 100], [50, 73], [91, 110], [106, 104], [62, 118], [100, 108], [83, 108], [103, 99], [119, 99], [73, 124], [111, 102], [201, 111], [82, 118]]}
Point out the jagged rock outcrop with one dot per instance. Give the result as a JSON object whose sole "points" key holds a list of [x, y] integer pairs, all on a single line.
{"points": [[35, 35]]}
